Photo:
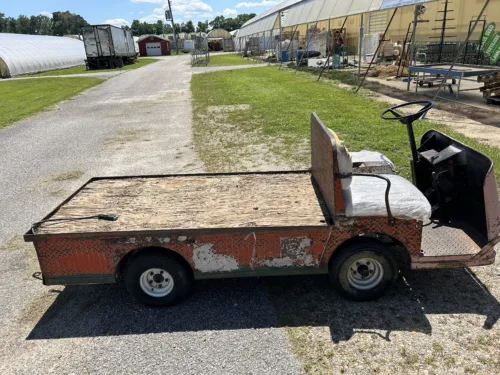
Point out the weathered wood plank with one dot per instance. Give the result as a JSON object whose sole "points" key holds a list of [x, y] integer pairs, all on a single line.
{"points": [[193, 202]]}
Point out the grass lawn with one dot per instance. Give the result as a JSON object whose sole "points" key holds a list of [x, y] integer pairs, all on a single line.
{"points": [[80, 69], [23, 98], [253, 119], [226, 59], [280, 104]]}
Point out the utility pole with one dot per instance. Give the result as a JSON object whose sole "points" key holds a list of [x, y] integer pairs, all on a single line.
{"points": [[169, 16]]}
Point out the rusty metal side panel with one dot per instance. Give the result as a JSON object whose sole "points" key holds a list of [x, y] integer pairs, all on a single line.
{"points": [[212, 253], [491, 204], [322, 161], [408, 232]]}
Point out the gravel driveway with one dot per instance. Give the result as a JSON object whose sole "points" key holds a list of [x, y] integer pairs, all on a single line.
{"points": [[136, 123]]}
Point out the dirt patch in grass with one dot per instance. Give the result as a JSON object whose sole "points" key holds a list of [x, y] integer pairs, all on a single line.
{"points": [[227, 142]]}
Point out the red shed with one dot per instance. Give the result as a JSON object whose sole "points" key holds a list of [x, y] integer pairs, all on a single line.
{"points": [[153, 45]]}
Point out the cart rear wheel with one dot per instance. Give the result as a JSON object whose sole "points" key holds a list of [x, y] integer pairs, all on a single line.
{"points": [[363, 271], [156, 279]]}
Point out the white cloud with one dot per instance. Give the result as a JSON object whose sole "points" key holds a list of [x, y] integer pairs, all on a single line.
{"points": [[148, 1], [117, 22], [182, 9], [48, 14], [229, 12], [263, 3]]}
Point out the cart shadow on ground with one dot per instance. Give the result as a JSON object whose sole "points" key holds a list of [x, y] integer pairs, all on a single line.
{"points": [[231, 304]]}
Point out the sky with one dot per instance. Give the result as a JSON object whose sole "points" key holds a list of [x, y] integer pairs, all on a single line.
{"points": [[122, 12]]}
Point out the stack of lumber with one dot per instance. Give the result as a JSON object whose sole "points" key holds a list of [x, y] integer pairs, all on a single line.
{"points": [[491, 84]]}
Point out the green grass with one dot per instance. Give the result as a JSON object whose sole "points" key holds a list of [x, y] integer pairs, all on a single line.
{"points": [[82, 70], [281, 104], [226, 59], [22, 98]]}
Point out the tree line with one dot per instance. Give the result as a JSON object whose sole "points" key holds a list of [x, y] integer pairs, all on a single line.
{"points": [[61, 23], [67, 23], [159, 27]]}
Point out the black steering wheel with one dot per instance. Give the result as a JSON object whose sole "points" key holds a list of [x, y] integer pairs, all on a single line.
{"points": [[407, 119]]}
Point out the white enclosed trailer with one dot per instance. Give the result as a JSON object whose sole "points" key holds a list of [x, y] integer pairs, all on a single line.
{"points": [[108, 46]]}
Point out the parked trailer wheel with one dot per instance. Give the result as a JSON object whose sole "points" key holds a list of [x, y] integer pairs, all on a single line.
{"points": [[364, 271], [156, 279]]}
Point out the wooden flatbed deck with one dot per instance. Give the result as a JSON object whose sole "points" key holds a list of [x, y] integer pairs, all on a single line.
{"points": [[193, 202]]}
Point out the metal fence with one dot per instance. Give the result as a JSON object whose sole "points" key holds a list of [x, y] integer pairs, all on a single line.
{"points": [[201, 53]]}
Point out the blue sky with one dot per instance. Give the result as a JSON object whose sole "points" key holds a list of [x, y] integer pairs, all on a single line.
{"points": [[121, 12]]}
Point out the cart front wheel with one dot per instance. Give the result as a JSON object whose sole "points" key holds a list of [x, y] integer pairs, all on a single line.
{"points": [[363, 271], [156, 279]]}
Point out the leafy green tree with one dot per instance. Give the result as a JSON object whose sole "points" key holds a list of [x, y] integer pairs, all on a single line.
{"points": [[3, 23], [189, 27], [64, 23], [23, 25], [218, 22], [45, 25], [231, 24], [202, 27], [159, 27], [34, 25], [11, 25], [135, 27]]}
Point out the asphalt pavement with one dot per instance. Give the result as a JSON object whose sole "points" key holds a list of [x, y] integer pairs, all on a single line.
{"points": [[138, 122]]}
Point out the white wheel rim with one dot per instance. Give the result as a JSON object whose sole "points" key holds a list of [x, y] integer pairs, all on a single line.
{"points": [[365, 273], [156, 282]]}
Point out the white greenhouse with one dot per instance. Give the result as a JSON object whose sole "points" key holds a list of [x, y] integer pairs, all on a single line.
{"points": [[306, 19], [21, 54]]}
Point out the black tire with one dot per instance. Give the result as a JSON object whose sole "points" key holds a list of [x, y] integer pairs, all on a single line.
{"points": [[431, 84], [382, 267], [420, 83], [177, 273]]}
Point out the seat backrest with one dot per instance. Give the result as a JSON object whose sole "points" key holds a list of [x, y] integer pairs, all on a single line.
{"points": [[344, 161], [329, 157]]}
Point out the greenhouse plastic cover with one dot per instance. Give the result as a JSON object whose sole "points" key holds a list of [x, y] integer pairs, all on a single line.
{"points": [[301, 12], [37, 53], [366, 197]]}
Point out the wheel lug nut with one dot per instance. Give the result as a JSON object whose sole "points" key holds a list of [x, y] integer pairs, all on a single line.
{"points": [[357, 263], [159, 286], [151, 281], [161, 272], [151, 273], [367, 263], [354, 272]]}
